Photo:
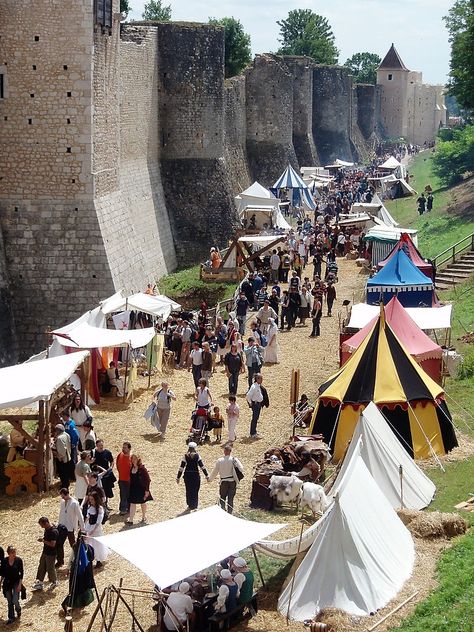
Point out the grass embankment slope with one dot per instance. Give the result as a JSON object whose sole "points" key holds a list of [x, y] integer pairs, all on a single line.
{"points": [[185, 287], [452, 217], [451, 605]]}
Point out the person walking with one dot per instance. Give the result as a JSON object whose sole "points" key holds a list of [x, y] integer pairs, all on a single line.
{"points": [[186, 337], [272, 349], [139, 489], [80, 413], [257, 397], [275, 262], [48, 556], [206, 367], [93, 526], [254, 357], [123, 463], [429, 202], [203, 395], [163, 398], [11, 575], [294, 304], [70, 515], [62, 449], [195, 362], [285, 306], [316, 314], [330, 296], [82, 472], [421, 201], [241, 306], [233, 412], [234, 365], [226, 467], [189, 470]]}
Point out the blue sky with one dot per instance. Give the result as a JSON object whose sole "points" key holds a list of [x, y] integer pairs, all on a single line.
{"points": [[415, 26]]}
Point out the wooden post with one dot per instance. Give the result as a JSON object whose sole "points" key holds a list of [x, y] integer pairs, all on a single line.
{"points": [[400, 471], [47, 440], [126, 375], [40, 462], [114, 611], [96, 611], [258, 565]]}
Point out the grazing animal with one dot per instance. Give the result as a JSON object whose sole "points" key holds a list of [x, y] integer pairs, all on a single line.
{"points": [[285, 488], [313, 496]]}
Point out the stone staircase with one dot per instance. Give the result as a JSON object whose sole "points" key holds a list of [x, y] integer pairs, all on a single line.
{"points": [[455, 272]]}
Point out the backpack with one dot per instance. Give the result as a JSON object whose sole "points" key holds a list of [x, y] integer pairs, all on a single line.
{"points": [[221, 340]]}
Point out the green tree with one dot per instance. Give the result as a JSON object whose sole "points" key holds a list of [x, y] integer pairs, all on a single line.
{"points": [[460, 25], [237, 45], [364, 67], [154, 11], [307, 33], [454, 156], [125, 8]]}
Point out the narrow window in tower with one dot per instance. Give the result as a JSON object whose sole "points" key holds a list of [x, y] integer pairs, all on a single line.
{"points": [[2, 85], [390, 77]]}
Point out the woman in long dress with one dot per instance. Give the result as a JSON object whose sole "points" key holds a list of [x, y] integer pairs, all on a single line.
{"points": [[189, 470], [80, 413], [272, 350], [139, 489], [93, 525]]}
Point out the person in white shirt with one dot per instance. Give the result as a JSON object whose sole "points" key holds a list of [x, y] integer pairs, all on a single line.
{"points": [[255, 400], [226, 469], [181, 605], [195, 362], [70, 515], [115, 379], [275, 265], [203, 395], [163, 397]]}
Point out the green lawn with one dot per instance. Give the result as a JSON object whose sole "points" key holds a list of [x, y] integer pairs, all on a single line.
{"points": [[187, 288], [442, 227]]}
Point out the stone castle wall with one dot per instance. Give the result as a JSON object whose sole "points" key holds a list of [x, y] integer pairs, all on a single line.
{"points": [[121, 150]]}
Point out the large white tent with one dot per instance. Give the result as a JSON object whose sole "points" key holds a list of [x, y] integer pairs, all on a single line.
{"points": [[425, 317], [383, 454], [84, 336], [155, 305], [256, 195], [361, 556], [172, 550], [24, 384]]}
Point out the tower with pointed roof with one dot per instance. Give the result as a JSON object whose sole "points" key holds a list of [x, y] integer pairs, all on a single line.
{"points": [[408, 108]]}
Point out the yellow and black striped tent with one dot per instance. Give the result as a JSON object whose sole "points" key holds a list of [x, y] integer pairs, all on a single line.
{"points": [[382, 371]]}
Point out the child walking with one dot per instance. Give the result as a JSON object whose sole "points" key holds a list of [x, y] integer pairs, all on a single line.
{"points": [[233, 412], [217, 423]]}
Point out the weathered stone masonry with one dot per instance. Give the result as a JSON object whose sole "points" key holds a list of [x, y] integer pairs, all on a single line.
{"points": [[121, 149]]}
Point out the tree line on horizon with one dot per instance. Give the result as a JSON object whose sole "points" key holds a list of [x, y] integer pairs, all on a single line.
{"points": [[303, 32]]}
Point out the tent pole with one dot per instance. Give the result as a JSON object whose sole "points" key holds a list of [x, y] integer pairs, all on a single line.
{"points": [[400, 470], [126, 375], [96, 611], [41, 450], [114, 611], [134, 619], [151, 357], [294, 575], [435, 456], [47, 436], [258, 565]]}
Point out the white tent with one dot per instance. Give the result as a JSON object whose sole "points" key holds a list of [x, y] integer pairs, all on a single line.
{"points": [[172, 550], [383, 213], [390, 163], [86, 337], [158, 305], [24, 384], [383, 454], [361, 557], [255, 195], [344, 163], [425, 317]]}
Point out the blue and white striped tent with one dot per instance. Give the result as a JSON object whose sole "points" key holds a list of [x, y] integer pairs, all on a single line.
{"points": [[300, 194]]}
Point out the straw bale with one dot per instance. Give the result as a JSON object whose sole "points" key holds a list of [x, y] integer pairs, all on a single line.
{"points": [[336, 620], [433, 524], [453, 524]]}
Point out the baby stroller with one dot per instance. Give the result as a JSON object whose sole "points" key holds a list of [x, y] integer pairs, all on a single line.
{"points": [[199, 431], [331, 272]]}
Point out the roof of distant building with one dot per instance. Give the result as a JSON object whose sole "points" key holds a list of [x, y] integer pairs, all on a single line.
{"points": [[392, 60]]}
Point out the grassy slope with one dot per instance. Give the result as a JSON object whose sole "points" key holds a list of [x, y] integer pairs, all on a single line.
{"points": [[186, 284], [449, 607], [442, 227]]}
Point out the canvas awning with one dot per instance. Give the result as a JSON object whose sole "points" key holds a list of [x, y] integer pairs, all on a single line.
{"points": [[390, 163], [172, 550], [261, 240], [86, 337], [424, 317], [23, 384], [158, 305]]}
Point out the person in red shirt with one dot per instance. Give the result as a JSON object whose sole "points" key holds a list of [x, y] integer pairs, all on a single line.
{"points": [[123, 463]]}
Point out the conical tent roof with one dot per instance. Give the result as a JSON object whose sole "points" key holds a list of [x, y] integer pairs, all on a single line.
{"points": [[390, 163], [415, 341], [258, 190], [383, 454], [382, 371], [406, 244], [401, 277], [289, 179], [361, 557]]}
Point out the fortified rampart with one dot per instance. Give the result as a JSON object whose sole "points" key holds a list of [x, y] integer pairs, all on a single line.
{"points": [[122, 147]]}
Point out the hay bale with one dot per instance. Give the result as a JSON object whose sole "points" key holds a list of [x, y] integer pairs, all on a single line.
{"points": [[407, 515], [336, 620], [427, 525], [453, 524]]}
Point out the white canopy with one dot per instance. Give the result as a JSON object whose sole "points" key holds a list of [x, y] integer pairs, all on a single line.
{"points": [[260, 240], [383, 455], [424, 317], [383, 213], [390, 163], [256, 195], [23, 384], [86, 337], [159, 305], [172, 550], [94, 317], [392, 233], [344, 163], [361, 557]]}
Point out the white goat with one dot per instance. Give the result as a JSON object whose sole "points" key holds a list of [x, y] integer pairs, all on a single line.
{"points": [[285, 488], [313, 496]]}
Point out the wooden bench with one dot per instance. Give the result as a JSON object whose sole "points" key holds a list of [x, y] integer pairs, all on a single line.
{"points": [[227, 620]]}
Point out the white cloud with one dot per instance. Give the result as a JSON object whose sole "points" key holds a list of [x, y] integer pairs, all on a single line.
{"points": [[415, 26]]}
